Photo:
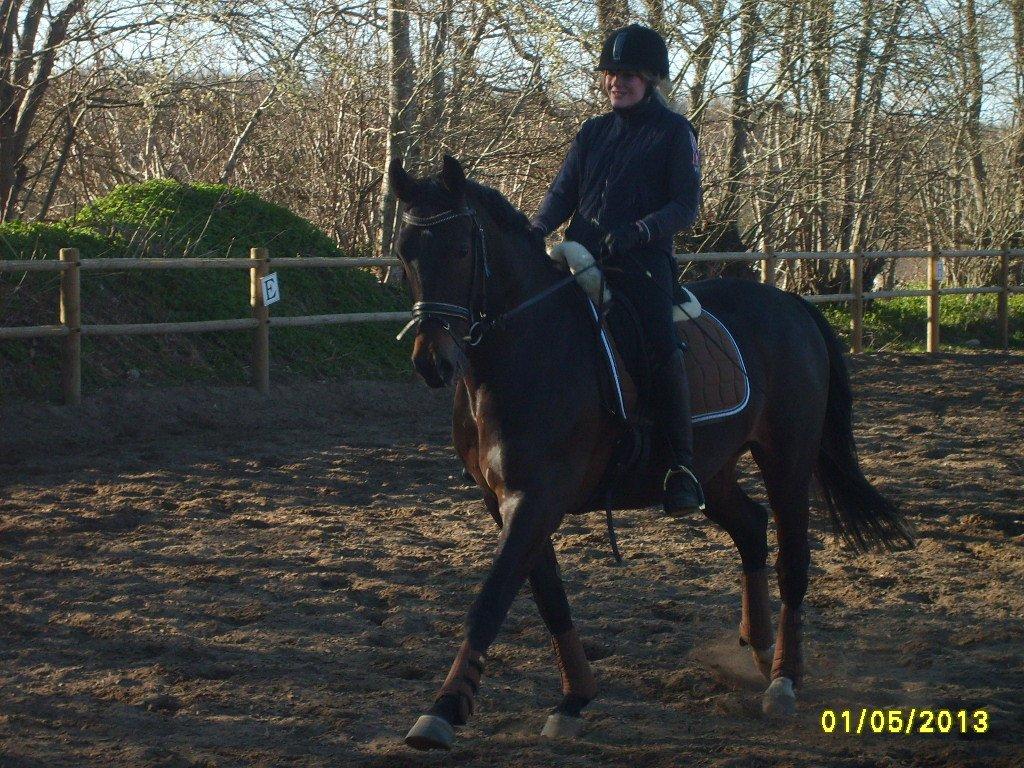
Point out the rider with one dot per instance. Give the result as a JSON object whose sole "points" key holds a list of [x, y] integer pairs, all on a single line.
{"points": [[630, 181]]}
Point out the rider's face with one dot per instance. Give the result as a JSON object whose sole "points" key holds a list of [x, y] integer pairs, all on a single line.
{"points": [[624, 89]]}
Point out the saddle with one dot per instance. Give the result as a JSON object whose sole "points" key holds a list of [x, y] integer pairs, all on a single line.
{"points": [[719, 386]]}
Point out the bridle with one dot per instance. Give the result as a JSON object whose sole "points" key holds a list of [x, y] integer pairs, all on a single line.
{"points": [[442, 312], [480, 320]]}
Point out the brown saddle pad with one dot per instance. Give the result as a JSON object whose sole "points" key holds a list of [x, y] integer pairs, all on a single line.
{"points": [[719, 386]]}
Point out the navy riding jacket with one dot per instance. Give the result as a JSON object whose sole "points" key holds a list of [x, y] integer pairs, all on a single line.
{"points": [[639, 164]]}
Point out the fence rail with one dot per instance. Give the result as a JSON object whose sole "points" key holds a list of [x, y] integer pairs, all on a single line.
{"points": [[71, 330]]}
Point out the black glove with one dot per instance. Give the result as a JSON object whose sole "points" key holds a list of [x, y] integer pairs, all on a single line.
{"points": [[537, 235], [625, 237]]}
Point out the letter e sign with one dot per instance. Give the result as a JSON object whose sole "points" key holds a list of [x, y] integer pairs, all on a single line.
{"points": [[271, 290]]}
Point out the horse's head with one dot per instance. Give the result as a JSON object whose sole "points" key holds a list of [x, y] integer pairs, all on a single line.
{"points": [[439, 245]]}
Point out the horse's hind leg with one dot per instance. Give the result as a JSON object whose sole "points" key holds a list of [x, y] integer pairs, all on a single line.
{"points": [[578, 683], [787, 481], [746, 522]]}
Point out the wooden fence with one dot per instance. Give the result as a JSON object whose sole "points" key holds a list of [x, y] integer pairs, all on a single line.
{"points": [[259, 264]]}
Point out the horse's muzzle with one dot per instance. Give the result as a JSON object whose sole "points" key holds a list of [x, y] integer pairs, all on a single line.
{"points": [[437, 357]]}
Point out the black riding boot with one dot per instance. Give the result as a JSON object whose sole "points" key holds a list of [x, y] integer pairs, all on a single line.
{"points": [[683, 494]]}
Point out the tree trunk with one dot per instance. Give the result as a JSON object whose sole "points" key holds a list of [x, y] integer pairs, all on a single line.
{"points": [[739, 123], [858, 145], [1017, 153], [873, 106], [243, 138], [701, 59], [820, 27], [70, 131], [656, 15], [399, 118], [973, 93]]}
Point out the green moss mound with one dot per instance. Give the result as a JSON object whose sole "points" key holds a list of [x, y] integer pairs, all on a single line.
{"points": [[19, 240], [166, 219]]}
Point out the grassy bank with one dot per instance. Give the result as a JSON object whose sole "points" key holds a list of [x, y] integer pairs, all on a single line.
{"points": [[167, 219]]}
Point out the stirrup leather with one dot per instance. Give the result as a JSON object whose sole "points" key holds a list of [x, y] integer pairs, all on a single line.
{"points": [[681, 470]]}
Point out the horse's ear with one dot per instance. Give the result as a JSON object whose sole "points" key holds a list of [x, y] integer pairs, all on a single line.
{"points": [[401, 182], [452, 175]]}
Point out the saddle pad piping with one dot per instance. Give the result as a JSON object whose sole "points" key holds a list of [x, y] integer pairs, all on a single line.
{"points": [[611, 360], [715, 415]]}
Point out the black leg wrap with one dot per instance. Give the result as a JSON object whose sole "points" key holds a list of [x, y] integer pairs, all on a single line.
{"points": [[572, 705], [447, 706]]}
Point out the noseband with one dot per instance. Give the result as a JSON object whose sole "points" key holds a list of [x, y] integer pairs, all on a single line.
{"points": [[479, 322], [440, 311]]}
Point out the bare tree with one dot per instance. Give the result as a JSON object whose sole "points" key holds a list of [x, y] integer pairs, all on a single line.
{"points": [[611, 14], [823, 124], [740, 113], [1016, 8], [26, 66]]}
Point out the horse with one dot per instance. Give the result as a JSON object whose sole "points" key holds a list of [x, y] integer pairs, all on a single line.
{"points": [[495, 317]]}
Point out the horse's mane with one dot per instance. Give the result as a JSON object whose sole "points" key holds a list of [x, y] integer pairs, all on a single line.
{"points": [[498, 206], [508, 216]]}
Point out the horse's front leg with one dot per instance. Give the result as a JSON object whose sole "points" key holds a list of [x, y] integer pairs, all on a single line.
{"points": [[579, 686], [528, 521], [578, 683]]}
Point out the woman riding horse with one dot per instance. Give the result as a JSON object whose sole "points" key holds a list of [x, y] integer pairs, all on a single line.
{"points": [[631, 180], [495, 317]]}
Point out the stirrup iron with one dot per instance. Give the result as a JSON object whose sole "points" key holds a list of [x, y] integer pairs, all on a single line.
{"points": [[680, 469]]}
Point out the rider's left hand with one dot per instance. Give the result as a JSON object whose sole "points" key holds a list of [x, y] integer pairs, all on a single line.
{"points": [[625, 237]]}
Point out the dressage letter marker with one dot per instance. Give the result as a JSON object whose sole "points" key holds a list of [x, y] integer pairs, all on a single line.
{"points": [[271, 290]]}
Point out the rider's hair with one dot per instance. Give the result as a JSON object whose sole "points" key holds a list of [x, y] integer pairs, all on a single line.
{"points": [[659, 89]]}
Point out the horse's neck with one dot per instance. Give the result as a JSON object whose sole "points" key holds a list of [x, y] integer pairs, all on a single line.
{"points": [[540, 338], [517, 275]]}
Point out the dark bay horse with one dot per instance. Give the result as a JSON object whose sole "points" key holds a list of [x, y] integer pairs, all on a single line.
{"points": [[494, 316]]}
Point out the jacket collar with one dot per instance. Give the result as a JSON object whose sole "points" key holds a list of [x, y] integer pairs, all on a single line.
{"points": [[640, 111]]}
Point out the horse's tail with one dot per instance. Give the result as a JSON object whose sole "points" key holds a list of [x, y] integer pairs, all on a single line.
{"points": [[861, 516]]}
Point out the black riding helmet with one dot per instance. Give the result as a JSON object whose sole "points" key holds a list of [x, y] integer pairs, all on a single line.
{"points": [[635, 48]]}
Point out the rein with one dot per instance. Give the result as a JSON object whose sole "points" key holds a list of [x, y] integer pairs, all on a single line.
{"points": [[480, 322]]}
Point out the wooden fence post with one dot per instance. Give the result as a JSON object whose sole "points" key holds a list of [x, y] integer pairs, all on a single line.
{"points": [[71, 317], [857, 305], [1004, 298], [768, 266], [933, 298], [261, 336]]}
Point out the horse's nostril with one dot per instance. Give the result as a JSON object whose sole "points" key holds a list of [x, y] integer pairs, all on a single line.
{"points": [[444, 369]]}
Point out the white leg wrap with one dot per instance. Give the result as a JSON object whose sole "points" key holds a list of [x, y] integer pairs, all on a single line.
{"points": [[559, 726], [779, 700]]}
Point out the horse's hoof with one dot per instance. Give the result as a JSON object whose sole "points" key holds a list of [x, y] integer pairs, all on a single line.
{"points": [[431, 732], [763, 659], [779, 700], [559, 726]]}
